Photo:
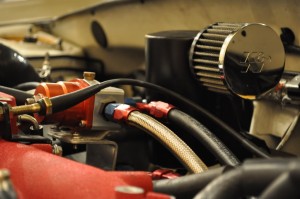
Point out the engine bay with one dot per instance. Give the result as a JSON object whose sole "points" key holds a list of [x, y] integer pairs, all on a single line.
{"points": [[142, 99]]}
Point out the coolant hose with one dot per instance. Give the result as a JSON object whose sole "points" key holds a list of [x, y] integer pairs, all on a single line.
{"points": [[250, 179], [169, 139], [205, 136]]}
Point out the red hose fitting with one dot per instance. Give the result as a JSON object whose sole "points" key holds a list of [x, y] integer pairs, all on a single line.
{"points": [[164, 174], [157, 109], [122, 112]]}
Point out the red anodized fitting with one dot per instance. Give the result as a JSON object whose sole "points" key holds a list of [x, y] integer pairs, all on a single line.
{"points": [[164, 174], [158, 109], [82, 112], [122, 112]]}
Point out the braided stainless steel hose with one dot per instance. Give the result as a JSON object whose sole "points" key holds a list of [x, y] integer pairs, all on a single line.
{"points": [[169, 139]]}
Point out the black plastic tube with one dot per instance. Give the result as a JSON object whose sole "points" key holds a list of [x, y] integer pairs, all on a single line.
{"points": [[248, 180], [204, 136], [186, 186], [65, 101], [20, 96]]}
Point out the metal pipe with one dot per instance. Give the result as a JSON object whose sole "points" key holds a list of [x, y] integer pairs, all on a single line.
{"points": [[31, 108], [168, 138], [29, 118]]}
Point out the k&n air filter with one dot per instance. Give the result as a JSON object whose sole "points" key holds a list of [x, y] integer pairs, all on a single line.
{"points": [[243, 58]]}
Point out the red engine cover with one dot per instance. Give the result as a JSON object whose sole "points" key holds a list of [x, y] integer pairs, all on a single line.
{"points": [[38, 174]]}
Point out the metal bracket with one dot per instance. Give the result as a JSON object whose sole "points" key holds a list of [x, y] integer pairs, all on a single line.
{"points": [[99, 152], [5, 128]]}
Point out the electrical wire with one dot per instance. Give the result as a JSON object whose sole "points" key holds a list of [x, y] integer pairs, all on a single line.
{"points": [[65, 101], [169, 139], [205, 136]]}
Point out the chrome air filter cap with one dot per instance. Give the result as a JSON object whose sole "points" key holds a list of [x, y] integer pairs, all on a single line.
{"points": [[243, 58]]}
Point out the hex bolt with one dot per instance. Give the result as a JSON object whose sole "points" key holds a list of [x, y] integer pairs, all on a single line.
{"points": [[90, 76]]}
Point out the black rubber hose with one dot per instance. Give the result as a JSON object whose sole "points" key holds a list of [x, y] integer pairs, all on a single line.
{"points": [[285, 186], [204, 136], [20, 96], [248, 180], [229, 185], [65, 101], [186, 186], [27, 86]]}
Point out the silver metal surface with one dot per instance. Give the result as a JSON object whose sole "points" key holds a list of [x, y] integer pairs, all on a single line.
{"points": [[72, 136], [292, 91], [294, 83], [102, 98], [286, 92], [246, 59], [129, 190]]}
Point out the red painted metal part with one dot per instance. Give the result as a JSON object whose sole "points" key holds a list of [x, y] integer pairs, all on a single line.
{"points": [[122, 112], [43, 147], [158, 109], [82, 112], [38, 174], [164, 174]]}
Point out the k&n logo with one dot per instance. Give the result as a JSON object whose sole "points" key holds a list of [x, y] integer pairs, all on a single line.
{"points": [[254, 62]]}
